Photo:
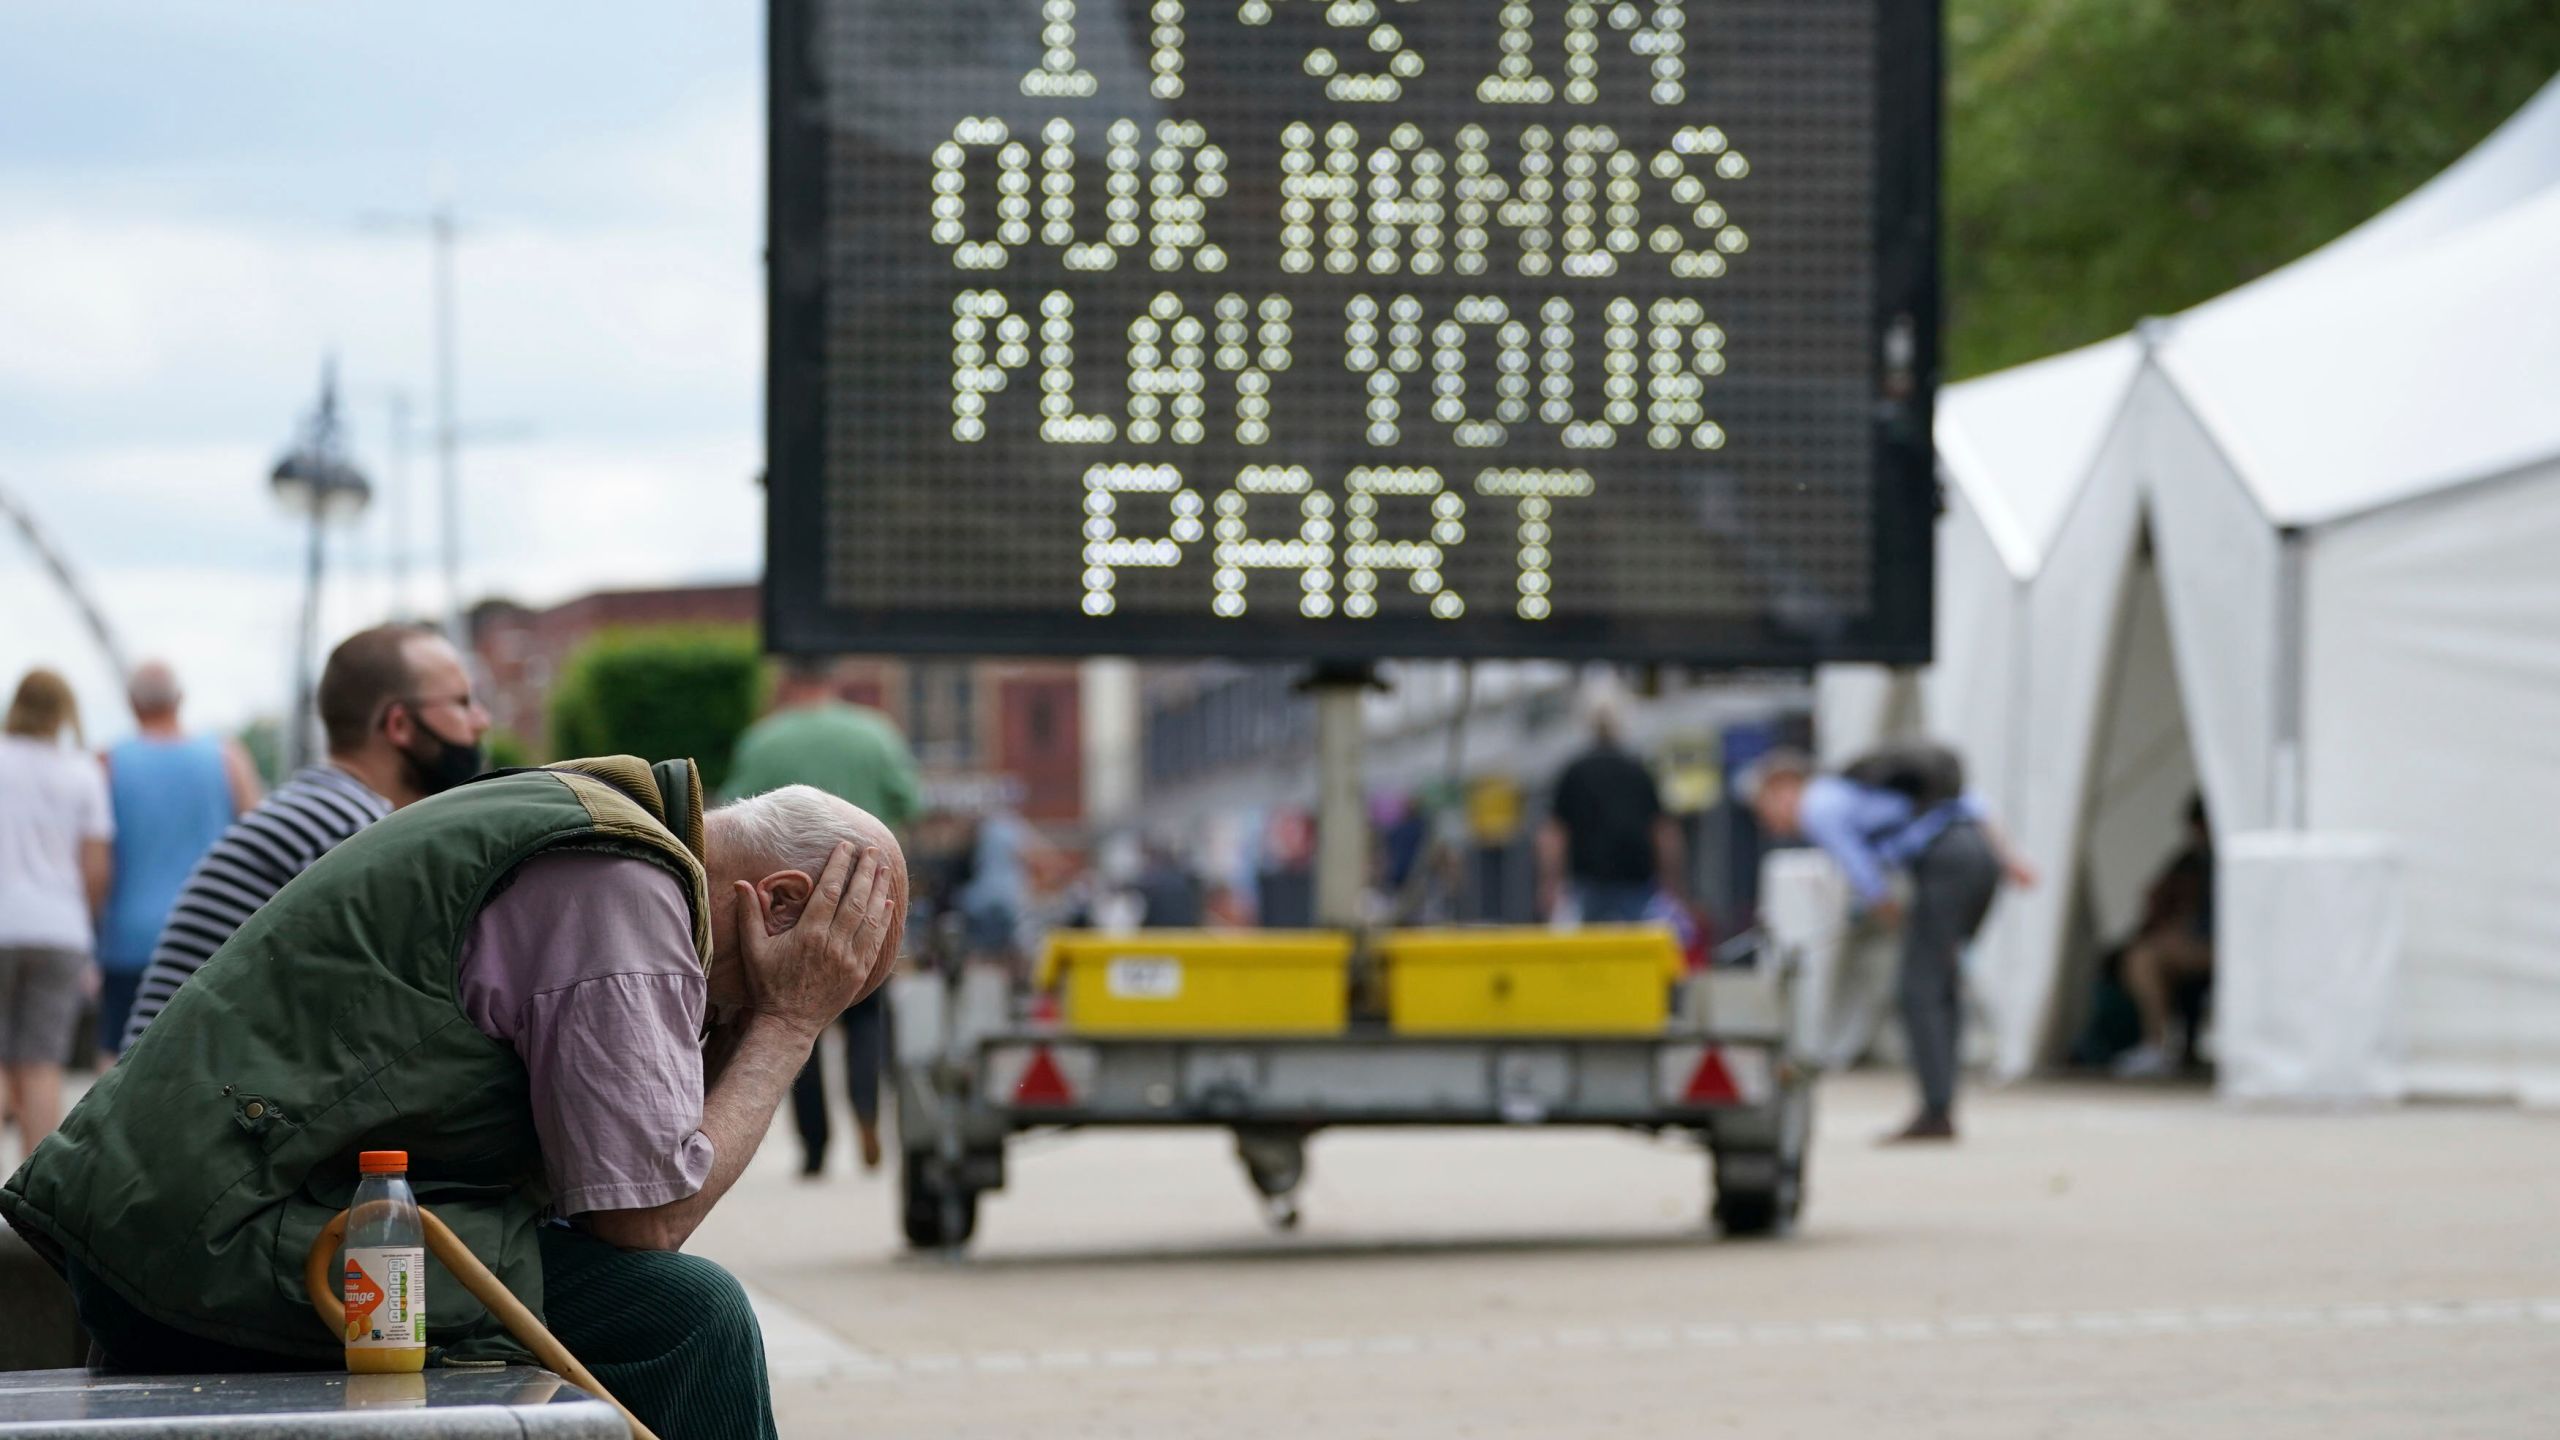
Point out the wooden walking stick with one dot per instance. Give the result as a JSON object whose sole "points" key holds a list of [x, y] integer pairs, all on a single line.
{"points": [[319, 1281]]}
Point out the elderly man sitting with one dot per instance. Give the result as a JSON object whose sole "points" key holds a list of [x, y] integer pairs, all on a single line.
{"points": [[511, 981]]}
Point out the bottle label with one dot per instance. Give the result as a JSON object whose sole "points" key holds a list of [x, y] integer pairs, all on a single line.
{"points": [[386, 1295]]}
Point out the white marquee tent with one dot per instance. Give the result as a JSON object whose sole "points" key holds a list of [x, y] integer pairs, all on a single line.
{"points": [[2298, 547]]}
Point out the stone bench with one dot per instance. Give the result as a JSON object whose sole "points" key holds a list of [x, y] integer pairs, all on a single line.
{"points": [[46, 1395], [510, 1403]]}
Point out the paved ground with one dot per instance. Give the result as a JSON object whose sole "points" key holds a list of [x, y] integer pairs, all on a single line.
{"points": [[2088, 1263]]}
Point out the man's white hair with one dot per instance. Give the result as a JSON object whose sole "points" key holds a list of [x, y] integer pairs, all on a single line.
{"points": [[794, 828]]}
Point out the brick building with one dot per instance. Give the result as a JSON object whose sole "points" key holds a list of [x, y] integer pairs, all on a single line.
{"points": [[984, 731]]}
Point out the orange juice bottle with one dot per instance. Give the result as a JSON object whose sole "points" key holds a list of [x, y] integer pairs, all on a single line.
{"points": [[385, 1279]]}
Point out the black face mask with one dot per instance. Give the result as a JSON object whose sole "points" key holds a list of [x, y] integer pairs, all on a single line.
{"points": [[447, 766]]}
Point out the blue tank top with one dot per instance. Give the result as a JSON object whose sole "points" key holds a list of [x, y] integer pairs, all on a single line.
{"points": [[172, 801]]}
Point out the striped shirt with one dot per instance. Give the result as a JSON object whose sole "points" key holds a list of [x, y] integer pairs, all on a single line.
{"points": [[303, 820]]}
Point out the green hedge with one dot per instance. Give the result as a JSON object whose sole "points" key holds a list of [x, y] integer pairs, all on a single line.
{"points": [[506, 750], [660, 693]]}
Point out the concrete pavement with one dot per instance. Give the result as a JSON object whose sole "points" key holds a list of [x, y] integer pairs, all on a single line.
{"points": [[2089, 1262]]}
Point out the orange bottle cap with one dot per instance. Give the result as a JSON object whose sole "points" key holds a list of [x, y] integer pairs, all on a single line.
{"points": [[383, 1162]]}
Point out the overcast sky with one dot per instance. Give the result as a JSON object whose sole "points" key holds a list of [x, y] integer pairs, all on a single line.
{"points": [[183, 190]]}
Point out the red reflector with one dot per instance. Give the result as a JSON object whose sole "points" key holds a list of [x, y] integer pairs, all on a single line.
{"points": [[1042, 1082], [1711, 1083]]}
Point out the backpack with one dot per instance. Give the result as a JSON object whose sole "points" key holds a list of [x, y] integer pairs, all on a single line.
{"points": [[1922, 771]]}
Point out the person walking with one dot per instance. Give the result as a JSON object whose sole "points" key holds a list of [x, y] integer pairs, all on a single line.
{"points": [[55, 830], [1608, 847], [1903, 808], [813, 737], [401, 724], [174, 795]]}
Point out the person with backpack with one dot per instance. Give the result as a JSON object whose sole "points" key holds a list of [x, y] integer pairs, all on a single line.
{"points": [[1903, 808]]}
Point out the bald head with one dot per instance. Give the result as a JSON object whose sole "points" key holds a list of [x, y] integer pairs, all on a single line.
{"points": [[153, 690]]}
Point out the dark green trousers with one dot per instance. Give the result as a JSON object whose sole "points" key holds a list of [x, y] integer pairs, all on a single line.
{"points": [[670, 1335]]}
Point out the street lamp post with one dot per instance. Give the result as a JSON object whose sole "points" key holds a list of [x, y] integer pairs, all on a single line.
{"points": [[317, 481]]}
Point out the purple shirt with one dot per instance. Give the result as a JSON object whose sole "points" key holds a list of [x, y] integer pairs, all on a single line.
{"points": [[584, 964]]}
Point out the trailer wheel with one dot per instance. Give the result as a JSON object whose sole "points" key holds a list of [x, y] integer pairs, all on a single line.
{"points": [[935, 1216], [1761, 1191], [1748, 1214]]}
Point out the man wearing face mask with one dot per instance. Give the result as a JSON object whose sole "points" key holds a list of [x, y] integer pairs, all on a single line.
{"points": [[396, 706]]}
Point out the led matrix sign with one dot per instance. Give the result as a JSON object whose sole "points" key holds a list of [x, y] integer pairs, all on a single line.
{"points": [[1336, 328]]}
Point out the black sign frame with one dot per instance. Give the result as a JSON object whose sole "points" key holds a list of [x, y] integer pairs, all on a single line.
{"points": [[1897, 629]]}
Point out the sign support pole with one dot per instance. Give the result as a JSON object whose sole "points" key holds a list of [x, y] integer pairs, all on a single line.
{"points": [[1342, 806]]}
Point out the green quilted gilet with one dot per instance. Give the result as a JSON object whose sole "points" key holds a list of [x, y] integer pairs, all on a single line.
{"points": [[194, 1177]]}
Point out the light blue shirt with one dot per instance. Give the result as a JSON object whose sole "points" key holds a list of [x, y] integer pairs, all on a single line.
{"points": [[997, 880], [172, 801], [1872, 831]]}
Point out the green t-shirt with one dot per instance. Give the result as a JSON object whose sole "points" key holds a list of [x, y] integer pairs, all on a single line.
{"points": [[850, 751]]}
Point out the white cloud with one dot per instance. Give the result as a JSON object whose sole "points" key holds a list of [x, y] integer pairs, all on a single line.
{"points": [[219, 589], [575, 519], [156, 352], [67, 317], [701, 165], [163, 323], [229, 634], [202, 502], [219, 594]]}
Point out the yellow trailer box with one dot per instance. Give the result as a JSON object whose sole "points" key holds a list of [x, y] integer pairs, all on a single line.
{"points": [[1194, 982], [1599, 980]]}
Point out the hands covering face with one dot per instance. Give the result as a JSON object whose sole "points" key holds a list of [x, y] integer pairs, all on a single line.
{"points": [[841, 948]]}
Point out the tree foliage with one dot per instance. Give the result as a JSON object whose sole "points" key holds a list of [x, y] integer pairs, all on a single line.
{"points": [[506, 750], [2112, 159], [263, 738], [660, 693]]}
